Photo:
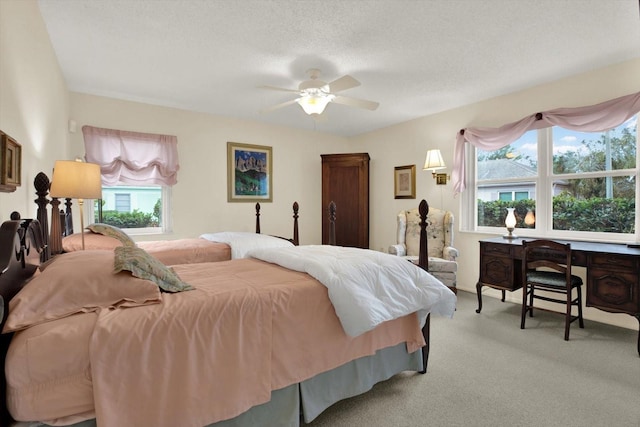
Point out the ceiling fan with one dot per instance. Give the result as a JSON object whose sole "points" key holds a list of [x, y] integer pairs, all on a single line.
{"points": [[314, 94]]}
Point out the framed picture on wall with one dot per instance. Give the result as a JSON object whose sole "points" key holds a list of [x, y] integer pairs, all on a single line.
{"points": [[249, 173], [404, 182], [10, 161]]}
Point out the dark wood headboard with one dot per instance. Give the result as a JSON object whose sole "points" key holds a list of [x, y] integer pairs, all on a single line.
{"points": [[20, 248]]}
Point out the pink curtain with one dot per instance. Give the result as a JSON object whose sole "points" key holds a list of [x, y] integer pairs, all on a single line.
{"points": [[594, 118], [131, 157]]}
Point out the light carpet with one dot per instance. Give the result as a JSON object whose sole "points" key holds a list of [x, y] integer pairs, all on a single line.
{"points": [[485, 371]]}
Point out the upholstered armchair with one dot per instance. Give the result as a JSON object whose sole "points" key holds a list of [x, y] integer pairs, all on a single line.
{"points": [[442, 254]]}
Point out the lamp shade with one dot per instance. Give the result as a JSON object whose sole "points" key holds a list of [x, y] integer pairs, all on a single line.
{"points": [[510, 220], [314, 104], [434, 161], [76, 180]]}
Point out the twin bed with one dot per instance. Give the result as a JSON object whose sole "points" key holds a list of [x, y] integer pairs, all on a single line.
{"points": [[271, 339], [210, 247]]}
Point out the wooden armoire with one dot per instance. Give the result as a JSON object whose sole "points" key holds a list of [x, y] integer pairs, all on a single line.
{"points": [[345, 181]]}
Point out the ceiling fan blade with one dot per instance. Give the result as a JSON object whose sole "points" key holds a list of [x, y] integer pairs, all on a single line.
{"points": [[343, 83], [275, 107], [281, 89], [353, 102]]}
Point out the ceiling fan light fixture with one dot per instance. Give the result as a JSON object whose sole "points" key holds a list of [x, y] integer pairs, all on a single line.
{"points": [[313, 94], [315, 103]]}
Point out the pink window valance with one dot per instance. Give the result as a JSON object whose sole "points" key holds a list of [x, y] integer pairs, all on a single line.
{"points": [[132, 158], [593, 118]]}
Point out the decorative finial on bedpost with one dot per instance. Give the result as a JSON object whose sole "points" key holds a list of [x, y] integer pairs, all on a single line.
{"points": [[41, 183], [296, 241], [423, 259], [332, 223], [258, 217]]}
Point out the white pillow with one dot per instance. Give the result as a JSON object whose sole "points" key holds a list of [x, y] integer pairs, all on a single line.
{"points": [[242, 242]]}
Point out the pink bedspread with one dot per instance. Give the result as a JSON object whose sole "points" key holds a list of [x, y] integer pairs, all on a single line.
{"points": [[187, 251], [210, 354]]}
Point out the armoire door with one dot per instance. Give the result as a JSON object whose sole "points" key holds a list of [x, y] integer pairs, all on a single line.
{"points": [[345, 181]]}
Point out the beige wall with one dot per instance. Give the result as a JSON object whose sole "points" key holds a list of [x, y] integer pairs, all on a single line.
{"points": [[199, 199], [408, 142], [35, 107], [34, 101]]}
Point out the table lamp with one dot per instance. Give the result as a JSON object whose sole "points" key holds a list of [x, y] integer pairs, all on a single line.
{"points": [[510, 223], [76, 180]]}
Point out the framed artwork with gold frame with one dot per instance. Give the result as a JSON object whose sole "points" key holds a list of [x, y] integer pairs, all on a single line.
{"points": [[10, 161], [249, 173], [404, 182]]}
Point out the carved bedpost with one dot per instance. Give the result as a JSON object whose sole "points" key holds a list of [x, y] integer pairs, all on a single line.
{"points": [[258, 217], [332, 223], [423, 259], [296, 241], [41, 184], [423, 262], [55, 237]]}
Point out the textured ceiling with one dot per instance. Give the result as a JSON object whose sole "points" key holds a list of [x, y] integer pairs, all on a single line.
{"points": [[414, 57]]}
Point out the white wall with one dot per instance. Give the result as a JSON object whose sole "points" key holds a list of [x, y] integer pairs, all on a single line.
{"points": [[199, 199], [34, 101], [408, 143]]}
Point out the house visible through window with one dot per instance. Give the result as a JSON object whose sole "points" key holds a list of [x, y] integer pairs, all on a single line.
{"points": [[138, 208], [578, 184], [513, 195], [122, 201]]}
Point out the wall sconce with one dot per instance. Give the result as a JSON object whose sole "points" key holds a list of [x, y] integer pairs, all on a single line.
{"points": [[530, 218], [510, 222], [76, 180], [434, 162]]}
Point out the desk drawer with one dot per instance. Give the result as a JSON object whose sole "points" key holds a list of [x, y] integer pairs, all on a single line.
{"points": [[497, 267], [495, 249], [613, 290], [609, 261]]}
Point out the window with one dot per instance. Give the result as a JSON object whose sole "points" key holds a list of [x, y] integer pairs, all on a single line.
{"points": [[138, 209], [122, 200], [513, 195], [137, 171], [576, 184]]}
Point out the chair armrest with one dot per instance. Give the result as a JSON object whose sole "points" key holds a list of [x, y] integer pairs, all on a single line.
{"points": [[398, 250], [450, 253]]}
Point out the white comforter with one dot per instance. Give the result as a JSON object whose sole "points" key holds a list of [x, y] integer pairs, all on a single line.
{"points": [[242, 242], [366, 287]]}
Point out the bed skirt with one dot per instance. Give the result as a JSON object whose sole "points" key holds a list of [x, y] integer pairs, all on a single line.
{"points": [[303, 402]]}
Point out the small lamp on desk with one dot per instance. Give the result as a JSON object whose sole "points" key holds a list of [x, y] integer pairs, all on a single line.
{"points": [[510, 223], [76, 180]]}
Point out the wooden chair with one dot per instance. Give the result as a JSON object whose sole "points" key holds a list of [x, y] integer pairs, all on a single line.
{"points": [[546, 267]]}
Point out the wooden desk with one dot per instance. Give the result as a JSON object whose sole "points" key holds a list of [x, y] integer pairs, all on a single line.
{"points": [[612, 272]]}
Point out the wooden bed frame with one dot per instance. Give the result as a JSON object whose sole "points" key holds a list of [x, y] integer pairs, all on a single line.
{"points": [[22, 249], [62, 219]]}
